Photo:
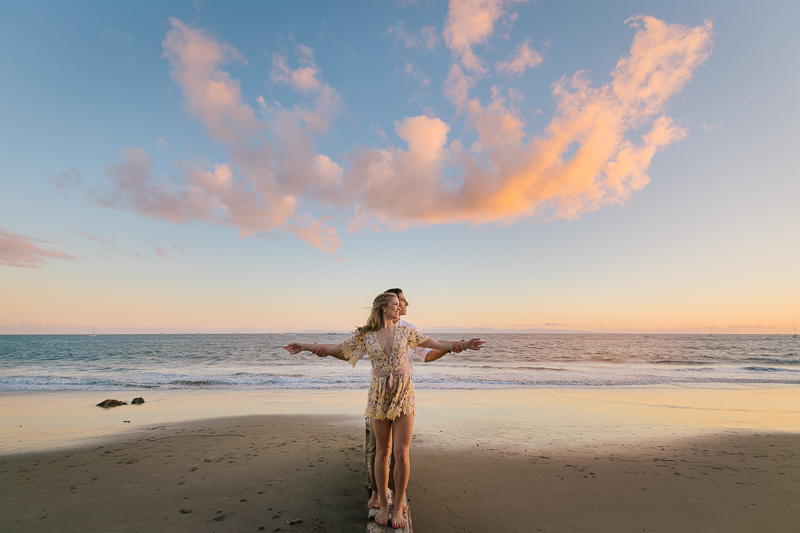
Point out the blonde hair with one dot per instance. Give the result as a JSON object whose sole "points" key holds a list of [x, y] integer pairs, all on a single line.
{"points": [[375, 320]]}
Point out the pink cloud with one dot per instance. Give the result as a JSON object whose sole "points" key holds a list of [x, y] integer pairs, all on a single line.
{"points": [[428, 37], [523, 59], [273, 161], [211, 95], [591, 154], [134, 188], [18, 250], [412, 70], [471, 22], [457, 86], [583, 160]]}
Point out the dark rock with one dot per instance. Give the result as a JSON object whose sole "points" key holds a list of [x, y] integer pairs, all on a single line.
{"points": [[137, 401], [186, 511], [111, 403]]}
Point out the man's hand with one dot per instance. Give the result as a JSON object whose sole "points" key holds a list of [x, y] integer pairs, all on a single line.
{"points": [[459, 347], [319, 351]]}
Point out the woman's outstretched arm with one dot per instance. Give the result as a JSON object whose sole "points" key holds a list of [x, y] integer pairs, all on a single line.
{"points": [[322, 350], [433, 355], [472, 344]]}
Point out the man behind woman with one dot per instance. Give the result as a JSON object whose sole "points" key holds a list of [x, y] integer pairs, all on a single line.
{"points": [[391, 402]]}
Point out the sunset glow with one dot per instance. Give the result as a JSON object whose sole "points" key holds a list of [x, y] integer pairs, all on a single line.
{"points": [[512, 165]]}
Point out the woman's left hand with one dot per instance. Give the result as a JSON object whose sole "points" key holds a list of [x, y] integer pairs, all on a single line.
{"points": [[294, 348]]}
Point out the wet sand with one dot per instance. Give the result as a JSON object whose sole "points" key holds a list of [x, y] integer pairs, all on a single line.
{"points": [[231, 474], [741, 482], [614, 460]]}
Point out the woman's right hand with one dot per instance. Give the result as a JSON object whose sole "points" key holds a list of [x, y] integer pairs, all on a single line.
{"points": [[475, 344], [294, 348]]}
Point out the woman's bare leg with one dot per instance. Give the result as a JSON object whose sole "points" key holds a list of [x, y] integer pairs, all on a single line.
{"points": [[383, 447], [402, 428]]}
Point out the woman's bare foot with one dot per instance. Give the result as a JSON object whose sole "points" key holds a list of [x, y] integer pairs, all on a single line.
{"points": [[382, 518], [398, 520], [373, 502]]}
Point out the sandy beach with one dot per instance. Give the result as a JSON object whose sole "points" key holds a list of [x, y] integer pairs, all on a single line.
{"points": [[513, 460]]}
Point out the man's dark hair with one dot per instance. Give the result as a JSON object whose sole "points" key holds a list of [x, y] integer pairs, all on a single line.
{"points": [[398, 292]]}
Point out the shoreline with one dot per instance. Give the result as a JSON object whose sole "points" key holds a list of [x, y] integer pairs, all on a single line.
{"points": [[554, 417]]}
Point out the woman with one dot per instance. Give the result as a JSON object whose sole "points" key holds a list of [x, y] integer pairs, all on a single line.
{"points": [[390, 401]]}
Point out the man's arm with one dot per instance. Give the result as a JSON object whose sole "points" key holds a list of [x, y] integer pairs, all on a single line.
{"points": [[433, 355]]}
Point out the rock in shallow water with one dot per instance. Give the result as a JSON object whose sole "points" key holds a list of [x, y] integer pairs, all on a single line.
{"points": [[137, 401], [111, 403]]}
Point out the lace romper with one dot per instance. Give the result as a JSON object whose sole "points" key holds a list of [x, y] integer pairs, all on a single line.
{"points": [[391, 394]]}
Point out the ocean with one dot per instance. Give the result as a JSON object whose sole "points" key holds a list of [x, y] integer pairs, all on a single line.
{"points": [[236, 361]]}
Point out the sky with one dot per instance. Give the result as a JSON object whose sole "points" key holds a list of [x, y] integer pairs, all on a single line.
{"points": [[202, 166]]}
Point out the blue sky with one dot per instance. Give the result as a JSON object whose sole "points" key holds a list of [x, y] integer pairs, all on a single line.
{"points": [[709, 241]]}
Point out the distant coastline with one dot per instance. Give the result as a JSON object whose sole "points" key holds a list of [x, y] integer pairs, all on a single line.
{"points": [[472, 330]]}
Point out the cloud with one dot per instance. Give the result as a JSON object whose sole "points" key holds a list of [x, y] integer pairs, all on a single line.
{"points": [[211, 95], [133, 188], [379, 131], [64, 180], [428, 37], [273, 161], [18, 250], [413, 71], [110, 243], [103, 241], [124, 39], [594, 152], [523, 59], [471, 22], [165, 252], [590, 155]]}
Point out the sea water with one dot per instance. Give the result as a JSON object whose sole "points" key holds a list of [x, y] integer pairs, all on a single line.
{"points": [[120, 362]]}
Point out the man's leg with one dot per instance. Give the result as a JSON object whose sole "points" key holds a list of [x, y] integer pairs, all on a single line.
{"points": [[369, 455], [391, 468]]}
